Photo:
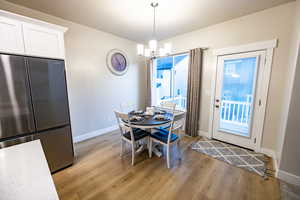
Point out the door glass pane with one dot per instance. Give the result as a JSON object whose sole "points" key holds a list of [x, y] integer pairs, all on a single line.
{"points": [[164, 79], [180, 80], [237, 96]]}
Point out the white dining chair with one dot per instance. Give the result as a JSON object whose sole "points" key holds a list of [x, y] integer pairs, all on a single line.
{"points": [[130, 134], [179, 124], [167, 137], [167, 105], [171, 108]]}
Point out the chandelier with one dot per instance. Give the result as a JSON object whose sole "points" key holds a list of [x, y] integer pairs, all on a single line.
{"points": [[152, 50]]}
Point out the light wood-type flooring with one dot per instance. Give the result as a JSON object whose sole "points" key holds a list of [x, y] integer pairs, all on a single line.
{"points": [[99, 173]]}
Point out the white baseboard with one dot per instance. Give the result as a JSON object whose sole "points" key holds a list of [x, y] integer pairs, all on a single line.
{"points": [[93, 134], [288, 177], [203, 133]]}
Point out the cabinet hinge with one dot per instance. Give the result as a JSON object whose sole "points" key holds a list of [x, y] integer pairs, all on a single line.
{"points": [[254, 140], [259, 102]]}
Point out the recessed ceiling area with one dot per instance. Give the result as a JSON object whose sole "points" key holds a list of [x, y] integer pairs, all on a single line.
{"points": [[133, 19]]}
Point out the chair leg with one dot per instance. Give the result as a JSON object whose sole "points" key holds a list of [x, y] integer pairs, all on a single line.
{"points": [[150, 147], [122, 147], [178, 149], [132, 153], [168, 156]]}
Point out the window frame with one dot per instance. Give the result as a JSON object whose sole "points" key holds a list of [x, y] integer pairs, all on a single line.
{"points": [[173, 79]]}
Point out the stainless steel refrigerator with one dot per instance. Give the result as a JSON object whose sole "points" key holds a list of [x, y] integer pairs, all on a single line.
{"points": [[34, 105]]}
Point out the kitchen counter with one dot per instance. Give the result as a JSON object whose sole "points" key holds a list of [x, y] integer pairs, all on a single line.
{"points": [[24, 173]]}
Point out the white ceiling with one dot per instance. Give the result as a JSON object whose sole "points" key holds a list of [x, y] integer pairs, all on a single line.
{"points": [[133, 19]]}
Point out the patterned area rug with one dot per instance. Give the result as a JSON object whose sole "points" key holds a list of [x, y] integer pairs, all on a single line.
{"points": [[236, 156]]}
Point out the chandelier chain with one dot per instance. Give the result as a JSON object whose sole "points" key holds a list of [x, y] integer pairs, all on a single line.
{"points": [[154, 5], [154, 24]]}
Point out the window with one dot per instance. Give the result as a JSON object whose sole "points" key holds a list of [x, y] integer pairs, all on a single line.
{"points": [[170, 80]]}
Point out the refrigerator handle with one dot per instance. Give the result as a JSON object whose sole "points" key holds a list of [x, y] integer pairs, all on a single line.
{"points": [[30, 92]]}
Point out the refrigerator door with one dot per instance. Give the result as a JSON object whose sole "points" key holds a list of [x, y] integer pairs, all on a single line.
{"points": [[58, 147], [49, 92], [19, 140], [16, 116]]}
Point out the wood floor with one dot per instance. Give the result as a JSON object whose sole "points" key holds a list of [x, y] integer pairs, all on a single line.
{"points": [[99, 173]]}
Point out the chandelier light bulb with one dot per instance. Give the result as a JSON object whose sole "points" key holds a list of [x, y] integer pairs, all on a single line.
{"points": [[153, 45]]}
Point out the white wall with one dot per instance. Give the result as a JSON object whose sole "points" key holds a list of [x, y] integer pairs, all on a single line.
{"points": [[93, 91], [288, 143], [269, 24]]}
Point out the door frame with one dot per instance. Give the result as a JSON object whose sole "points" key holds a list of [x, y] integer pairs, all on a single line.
{"points": [[268, 47]]}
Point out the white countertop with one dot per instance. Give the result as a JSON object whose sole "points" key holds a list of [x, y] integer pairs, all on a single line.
{"points": [[24, 173]]}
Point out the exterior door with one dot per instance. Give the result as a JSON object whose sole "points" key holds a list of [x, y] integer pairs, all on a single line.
{"points": [[237, 99]]}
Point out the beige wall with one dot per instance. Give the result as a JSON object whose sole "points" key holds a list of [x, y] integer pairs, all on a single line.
{"points": [[265, 25], [290, 155], [92, 97], [93, 91]]}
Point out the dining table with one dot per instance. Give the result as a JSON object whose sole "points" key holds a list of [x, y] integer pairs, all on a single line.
{"points": [[150, 121]]}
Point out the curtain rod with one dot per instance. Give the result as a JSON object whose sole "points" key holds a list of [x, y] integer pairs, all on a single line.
{"points": [[178, 53]]}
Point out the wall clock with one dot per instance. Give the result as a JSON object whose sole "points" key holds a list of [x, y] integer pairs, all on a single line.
{"points": [[117, 62]]}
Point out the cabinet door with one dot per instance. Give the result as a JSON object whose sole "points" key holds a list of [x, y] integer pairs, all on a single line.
{"points": [[49, 92], [43, 42], [11, 38]]}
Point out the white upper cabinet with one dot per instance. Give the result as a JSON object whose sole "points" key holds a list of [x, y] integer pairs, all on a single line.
{"points": [[11, 38], [44, 42], [26, 36]]}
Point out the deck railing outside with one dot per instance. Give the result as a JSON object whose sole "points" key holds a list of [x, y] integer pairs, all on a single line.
{"points": [[235, 112], [179, 100]]}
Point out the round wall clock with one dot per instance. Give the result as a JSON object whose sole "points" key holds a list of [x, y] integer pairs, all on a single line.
{"points": [[117, 62]]}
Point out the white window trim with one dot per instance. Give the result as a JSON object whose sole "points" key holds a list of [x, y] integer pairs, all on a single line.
{"points": [[264, 45], [268, 46]]}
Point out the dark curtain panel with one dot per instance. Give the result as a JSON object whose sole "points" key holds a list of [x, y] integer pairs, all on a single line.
{"points": [[193, 92], [149, 81]]}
